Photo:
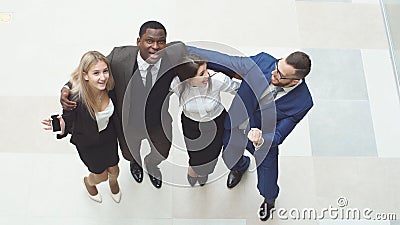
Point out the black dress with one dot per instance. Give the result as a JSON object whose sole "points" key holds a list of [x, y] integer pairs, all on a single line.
{"points": [[97, 150], [204, 142]]}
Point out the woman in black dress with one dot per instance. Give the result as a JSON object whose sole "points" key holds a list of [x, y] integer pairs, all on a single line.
{"points": [[91, 123], [203, 114]]}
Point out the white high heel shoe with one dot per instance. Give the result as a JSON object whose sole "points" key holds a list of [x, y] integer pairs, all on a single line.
{"points": [[97, 197], [116, 197]]}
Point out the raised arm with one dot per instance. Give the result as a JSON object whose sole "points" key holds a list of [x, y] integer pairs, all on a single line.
{"points": [[223, 62], [245, 66]]}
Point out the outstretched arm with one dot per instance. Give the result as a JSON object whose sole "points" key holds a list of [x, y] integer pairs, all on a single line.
{"points": [[227, 64], [247, 67]]}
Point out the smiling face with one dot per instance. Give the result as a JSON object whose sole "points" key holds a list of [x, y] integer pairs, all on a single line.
{"points": [[97, 76], [150, 43], [201, 77], [284, 74]]}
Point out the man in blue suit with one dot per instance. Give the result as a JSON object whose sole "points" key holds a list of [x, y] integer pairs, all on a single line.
{"points": [[271, 100]]}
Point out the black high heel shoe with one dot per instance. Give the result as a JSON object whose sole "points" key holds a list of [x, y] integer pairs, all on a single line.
{"points": [[202, 180], [192, 180]]}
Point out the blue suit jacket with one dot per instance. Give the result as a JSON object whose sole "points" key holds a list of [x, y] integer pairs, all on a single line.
{"points": [[256, 72]]}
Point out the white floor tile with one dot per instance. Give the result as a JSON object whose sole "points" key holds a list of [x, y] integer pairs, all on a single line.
{"points": [[42, 177], [353, 222], [209, 222], [384, 101], [334, 25], [16, 185], [298, 142]]}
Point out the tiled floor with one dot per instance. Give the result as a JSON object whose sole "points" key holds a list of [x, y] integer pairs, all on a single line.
{"points": [[345, 149]]}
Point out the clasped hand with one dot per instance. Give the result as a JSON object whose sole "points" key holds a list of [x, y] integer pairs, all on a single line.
{"points": [[255, 136]]}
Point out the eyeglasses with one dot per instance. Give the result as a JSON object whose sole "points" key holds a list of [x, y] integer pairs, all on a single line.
{"points": [[280, 75]]}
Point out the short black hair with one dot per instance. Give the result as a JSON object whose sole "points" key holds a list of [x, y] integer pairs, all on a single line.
{"points": [[301, 62], [151, 25]]}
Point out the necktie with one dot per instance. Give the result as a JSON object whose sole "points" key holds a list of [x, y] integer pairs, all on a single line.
{"points": [[269, 97], [149, 78], [276, 91]]}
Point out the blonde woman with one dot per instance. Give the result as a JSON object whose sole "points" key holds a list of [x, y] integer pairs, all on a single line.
{"points": [[91, 123]]}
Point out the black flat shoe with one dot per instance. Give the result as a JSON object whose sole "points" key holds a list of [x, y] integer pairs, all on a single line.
{"points": [[157, 182], [192, 180], [154, 175], [136, 171], [202, 180]]}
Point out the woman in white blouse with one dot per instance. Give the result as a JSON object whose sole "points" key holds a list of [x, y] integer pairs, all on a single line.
{"points": [[92, 123], [203, 114]]}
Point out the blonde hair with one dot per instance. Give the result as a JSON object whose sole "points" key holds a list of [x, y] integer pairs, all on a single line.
{"points": [[81, 91]]}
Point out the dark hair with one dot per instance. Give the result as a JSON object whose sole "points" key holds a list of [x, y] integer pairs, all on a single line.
{"points": [[301, 62], [187, 69], [189, 66], [151, 25]]}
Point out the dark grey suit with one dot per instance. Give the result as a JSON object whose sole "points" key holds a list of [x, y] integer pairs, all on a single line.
{"points": [[143, 116]]}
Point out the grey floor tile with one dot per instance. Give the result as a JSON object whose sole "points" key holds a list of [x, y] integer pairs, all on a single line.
{"points": [[395, 222], [362, 182], [337, 74], [342, 128]]}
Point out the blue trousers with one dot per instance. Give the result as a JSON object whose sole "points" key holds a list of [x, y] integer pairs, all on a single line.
{"points": [[235, 142]]}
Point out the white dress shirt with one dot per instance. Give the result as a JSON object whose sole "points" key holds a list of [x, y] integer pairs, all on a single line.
{"points": [[143, 65], [281, 93], [200, 105], [103, 117]]}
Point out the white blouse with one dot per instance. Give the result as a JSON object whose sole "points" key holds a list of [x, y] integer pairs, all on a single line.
{"points": [[200, 105], [103, 117]]}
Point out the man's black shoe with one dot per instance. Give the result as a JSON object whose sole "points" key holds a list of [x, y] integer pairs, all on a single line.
{"points": [[234, 178], [136, 171], [265, 210]]}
